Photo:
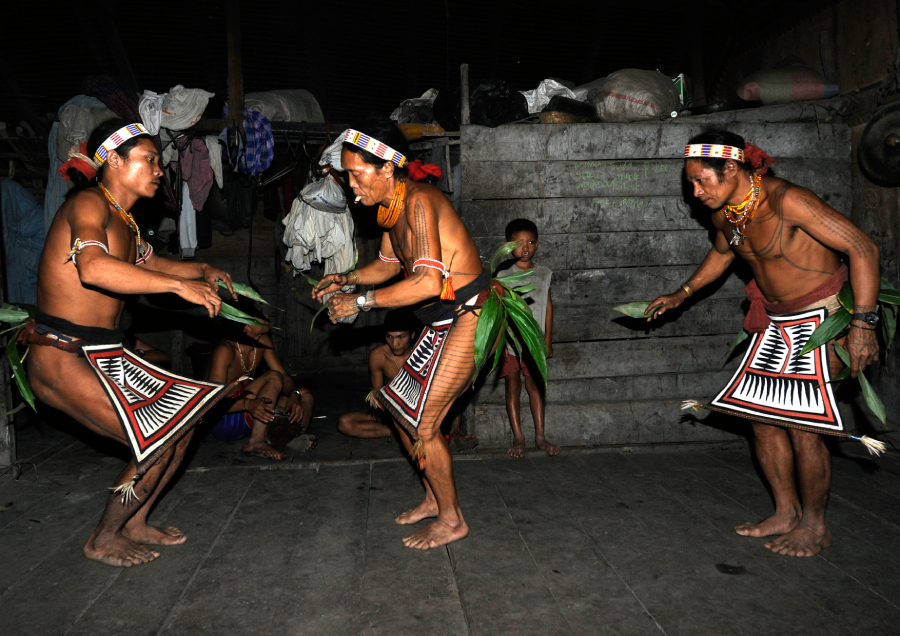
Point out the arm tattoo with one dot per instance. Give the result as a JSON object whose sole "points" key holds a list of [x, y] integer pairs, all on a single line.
{"points": [[854, 237]]}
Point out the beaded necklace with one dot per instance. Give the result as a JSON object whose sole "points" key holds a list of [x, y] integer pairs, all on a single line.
{"points": [[740, 215], [387, 217], [127, 216], [252, 362]]}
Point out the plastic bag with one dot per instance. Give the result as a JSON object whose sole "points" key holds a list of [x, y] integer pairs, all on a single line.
{"points": [[634, 94], [495, 102], [416, 111], [538, 98], [331, 156], [326, 195]]}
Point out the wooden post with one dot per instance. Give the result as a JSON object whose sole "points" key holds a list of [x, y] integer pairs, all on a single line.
{"points": [[235, 72], [465, 119]]}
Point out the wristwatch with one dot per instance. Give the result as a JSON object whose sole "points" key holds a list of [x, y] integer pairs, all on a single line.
{"points": [[870, 318], [361, 303]]}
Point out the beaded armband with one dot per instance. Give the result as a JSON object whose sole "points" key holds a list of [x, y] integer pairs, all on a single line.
{"points": [[79, 245], [387, 259]]}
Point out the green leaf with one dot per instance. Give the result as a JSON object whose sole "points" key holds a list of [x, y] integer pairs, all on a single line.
{"points": [[12, 314], [529, 330], [490, 319], [511, 279], [843, 375], [12, 356], [889, 323], [842, 354], [636, 310], [738, 339], [506, 249], [501, 347], [313, 321], [890, 296], [845, 297], [872, 399], [828, 330], [17, 409], [524, 289], [244, 290], [230, 312]]}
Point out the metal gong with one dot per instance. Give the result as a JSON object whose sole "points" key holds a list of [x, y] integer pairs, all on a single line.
{"points": [[879, 147]]}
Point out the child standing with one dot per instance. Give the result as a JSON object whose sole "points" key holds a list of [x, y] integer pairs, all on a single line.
{"points": [[512, 367]]}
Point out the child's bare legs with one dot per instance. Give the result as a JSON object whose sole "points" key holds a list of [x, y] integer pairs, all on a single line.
{"points": [[513, 393], [536, 399]]}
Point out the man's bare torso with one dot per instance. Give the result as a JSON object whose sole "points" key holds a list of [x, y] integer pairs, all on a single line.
{"points": [[60, 292], [458, 251], [387, 362], [786, 261]]}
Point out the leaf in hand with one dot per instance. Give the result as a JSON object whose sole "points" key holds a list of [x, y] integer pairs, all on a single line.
{"points": [[636, 310], [506, 249]]}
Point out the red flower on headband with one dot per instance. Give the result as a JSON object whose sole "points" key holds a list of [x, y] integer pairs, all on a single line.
{"points": [[757, 158], [419, 170], [79, 164]]}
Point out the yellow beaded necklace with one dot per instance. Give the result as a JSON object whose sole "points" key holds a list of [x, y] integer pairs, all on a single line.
{"points": [[125, 215]]}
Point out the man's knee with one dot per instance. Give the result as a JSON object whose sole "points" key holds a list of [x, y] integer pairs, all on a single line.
{"points": [[273, 377], [513, 382], [345, 424]]}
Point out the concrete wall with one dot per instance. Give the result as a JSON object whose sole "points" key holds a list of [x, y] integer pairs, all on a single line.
{"points": [[617, 225]]}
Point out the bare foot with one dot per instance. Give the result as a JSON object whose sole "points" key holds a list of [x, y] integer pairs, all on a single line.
{"points": [[777, 524], [118, 551], [802, 541], [435, 534], [547, 447], [153, 535], [261, 449], [517, 450], [424, 510]]}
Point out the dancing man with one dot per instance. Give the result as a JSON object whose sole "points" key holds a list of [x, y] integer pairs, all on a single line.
{"points": [[425, 237], [791, 239], [92, 258]]}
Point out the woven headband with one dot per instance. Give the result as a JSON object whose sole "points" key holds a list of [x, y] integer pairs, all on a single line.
{"points": [[375, 147], [117, 139], [714, 151]]}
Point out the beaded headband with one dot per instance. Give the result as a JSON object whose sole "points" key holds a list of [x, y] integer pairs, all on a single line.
{"points": [[375, 147], [714, 151], [117, 139]]}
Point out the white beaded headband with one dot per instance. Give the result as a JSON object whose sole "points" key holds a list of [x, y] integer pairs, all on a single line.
{"points": [[374, 146], [117, 139], [714, 151]]}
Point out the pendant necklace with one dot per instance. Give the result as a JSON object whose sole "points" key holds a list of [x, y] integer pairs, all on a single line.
{"points": [[252, 362], [129, 219], [740, 215]]}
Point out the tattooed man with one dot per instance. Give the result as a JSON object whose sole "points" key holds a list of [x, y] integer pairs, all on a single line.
{"points": [[793, 243], [424, 237]]}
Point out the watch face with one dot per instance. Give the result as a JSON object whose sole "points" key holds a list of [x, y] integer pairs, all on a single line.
{"points": [[871, 319], [360, 301]]}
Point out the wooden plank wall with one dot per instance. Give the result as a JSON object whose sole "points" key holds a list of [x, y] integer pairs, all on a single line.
{"points": [[617, 224]]}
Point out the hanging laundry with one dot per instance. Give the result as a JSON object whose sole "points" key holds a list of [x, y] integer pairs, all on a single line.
{"points": [[187, 225], [215, 159], [195, 169], [23, 240], [260, 143], [326, 237], [77, 119], [150, 108], [114, 92], [183, 107]]}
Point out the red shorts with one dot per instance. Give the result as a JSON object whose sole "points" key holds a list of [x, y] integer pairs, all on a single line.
{"points": [[511, 364]]}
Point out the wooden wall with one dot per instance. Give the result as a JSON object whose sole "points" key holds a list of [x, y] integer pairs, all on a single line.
{"points": [[617, 225]]}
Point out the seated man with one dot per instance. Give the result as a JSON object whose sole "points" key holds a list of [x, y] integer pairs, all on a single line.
{"points": [[252, 409], [385, 362]]}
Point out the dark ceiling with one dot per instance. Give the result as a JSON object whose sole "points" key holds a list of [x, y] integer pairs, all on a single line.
{"points": [[365, 57]]}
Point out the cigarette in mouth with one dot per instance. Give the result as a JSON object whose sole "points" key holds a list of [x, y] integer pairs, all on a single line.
{"points": [[356, 200]]}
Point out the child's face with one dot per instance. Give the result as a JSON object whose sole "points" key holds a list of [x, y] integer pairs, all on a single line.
{"points": [[526, 251]]}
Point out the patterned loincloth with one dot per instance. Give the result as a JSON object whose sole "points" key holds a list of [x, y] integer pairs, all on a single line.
{"points": [[405, 397], [776, 386], [155, 407]]}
